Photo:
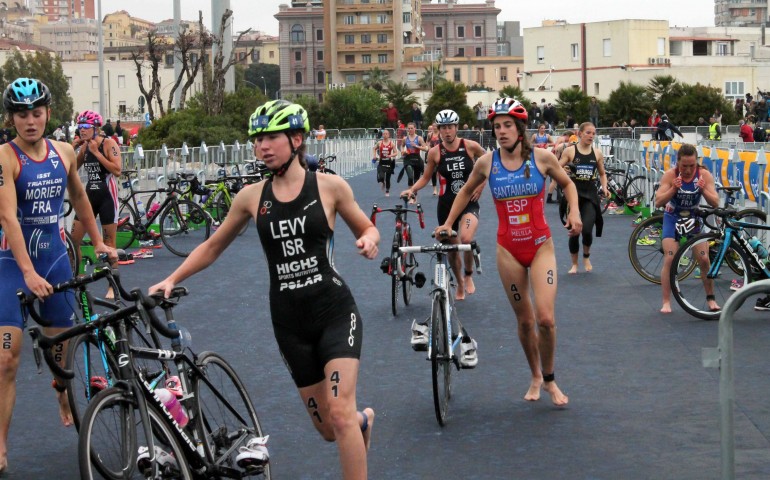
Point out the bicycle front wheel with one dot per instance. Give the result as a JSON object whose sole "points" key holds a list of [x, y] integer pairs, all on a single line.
{"points": [[689, 290], [225, 412], [183, 226], [90, 368], [645, 249], [634, 194], [440, 360], [112, 435], [394, 272], [408, 264]]}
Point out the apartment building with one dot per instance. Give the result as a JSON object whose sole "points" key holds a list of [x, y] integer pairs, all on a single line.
{"points": [[740, 13], [62, 10], [71, 40], [120, 29], [257, 47], [596, 57]]}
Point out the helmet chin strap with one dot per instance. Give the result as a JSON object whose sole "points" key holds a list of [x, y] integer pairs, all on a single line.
{"points": [[283, 168], [515, 144]]}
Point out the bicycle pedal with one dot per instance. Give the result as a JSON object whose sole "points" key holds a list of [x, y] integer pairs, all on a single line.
{"points": [[385, 265]]}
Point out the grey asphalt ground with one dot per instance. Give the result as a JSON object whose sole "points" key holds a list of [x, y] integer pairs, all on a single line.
{"points": [[641, 405]]}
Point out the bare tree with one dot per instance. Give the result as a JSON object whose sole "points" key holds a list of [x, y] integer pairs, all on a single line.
{"points": [[216, 96], [150, 56], [186, 44]]}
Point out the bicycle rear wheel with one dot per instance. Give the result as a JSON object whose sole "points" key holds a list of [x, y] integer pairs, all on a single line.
{"points": [[91, 377], [634, 195], [439, 360], [112, 434], [72, 253], [183, 226], [645, 249], [127, 220], [689, 291], [226, 413], [394, 272]]}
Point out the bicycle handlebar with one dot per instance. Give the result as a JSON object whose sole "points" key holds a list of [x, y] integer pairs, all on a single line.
{"points": [[446, 248], [397, 210]]}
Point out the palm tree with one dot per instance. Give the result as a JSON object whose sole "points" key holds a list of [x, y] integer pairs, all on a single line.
{"points": [[431, 76], [401, 96], [516, 93], [664, 89], [629, 101], [376, 79], [572, 102]]}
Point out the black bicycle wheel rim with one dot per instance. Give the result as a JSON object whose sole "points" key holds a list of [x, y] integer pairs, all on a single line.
{"points": [[224, 431], [183, 226], [688, 290], [407, 262], [394, 280], [633, 194], [440, 361], [647, 260], [127, 220]]}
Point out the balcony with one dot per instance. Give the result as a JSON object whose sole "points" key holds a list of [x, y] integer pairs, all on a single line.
{"points": [[364, 27], [365, 47], [364, 67], [364, 7]]}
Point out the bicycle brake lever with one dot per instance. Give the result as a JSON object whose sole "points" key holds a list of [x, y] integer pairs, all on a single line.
{"points": [[37, 354]]}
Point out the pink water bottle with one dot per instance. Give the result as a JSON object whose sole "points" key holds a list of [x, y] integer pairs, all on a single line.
{"points": [[172, 405], [153, 208]]}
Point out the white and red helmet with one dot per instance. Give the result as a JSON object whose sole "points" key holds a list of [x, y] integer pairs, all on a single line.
{"points": [[507, 106]]}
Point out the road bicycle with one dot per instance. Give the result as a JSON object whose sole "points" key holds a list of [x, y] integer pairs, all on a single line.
{"points": [[323, 164], [128, 432], [625, 189], [645, 246], [445, 331], [216, 198], [182, 223], [400, 266], [736, 258]]}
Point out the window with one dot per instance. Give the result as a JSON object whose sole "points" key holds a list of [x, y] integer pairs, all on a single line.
{"points": [[574, 52], [661, 46], [382, 58], [69, 81], [298, 56], [480, 75], [366, 38], [320, 78], [121, 106], [298, 78], [350, 39], [460, 52], [170, 60], [366, 58], [540, 54], [241, 56], [411, 77], [364, 20], [439, 32], [407, 17], [319, 35], [478, 51], [255, 55], [297, 34], [503, 74], [349, 20], [456, 74], [350, 59], [271, 54], [319, 55], [94, 82], [382, 38], [350, 78], [477, 31], [734, 90], [596, 88], [607, 47], [121, 81], [722, 49], [382, 18]]}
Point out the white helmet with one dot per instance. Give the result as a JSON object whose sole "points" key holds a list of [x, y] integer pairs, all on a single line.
{"points": [[447, 117]]}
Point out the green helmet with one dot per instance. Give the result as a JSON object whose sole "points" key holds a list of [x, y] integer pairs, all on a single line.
{"points": [[278, 116]]}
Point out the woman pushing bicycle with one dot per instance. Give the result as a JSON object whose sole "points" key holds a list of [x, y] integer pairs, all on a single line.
{"points": [[34, 173], [525, 253], [316, 322]]}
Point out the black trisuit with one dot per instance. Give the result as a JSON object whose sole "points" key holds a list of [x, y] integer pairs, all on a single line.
{"points": [[314, 315]]}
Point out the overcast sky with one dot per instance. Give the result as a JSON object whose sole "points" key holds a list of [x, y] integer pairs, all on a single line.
{"points": [[258, 14]]}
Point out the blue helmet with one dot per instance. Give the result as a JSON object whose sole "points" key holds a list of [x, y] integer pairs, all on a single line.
{"points": [[25, 94]]}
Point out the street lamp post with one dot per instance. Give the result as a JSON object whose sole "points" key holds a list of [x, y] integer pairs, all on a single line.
{"points": [[264, 83]]}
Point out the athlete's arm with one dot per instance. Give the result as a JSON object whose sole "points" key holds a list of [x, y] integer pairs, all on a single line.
{"points": [[79, 200], [667, 189], [708, 188], [602, 172], [374, 150], [367, 235], [207, 252], [552, 168], [111, 158], [477, 178]]}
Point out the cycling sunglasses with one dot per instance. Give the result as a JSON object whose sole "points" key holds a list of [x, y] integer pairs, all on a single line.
{"points": [[85, 126]]}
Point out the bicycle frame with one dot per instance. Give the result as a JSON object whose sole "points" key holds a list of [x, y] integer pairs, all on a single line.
{"points": [[733, 230], [403, 230]]}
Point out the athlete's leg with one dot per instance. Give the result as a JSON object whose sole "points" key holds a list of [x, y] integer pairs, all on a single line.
{"points": [[469, 223], [456, 263], [704, 262], [331, 404], [670, 246], [60, 355], [588, 215], [543, 279], [574, 249], [109, 235], [10, 348], [78, 232], [515, 279]]}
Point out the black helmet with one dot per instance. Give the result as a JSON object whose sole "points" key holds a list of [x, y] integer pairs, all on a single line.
{"points": [[25, 94]]}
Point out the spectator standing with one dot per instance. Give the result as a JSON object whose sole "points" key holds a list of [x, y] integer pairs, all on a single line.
{"points": [[666, 130], [108, 130], [320, 133], [391, 116], [549, 115], [481, 115], [746, 133], [119, 132], [714, 131], [417, 116], [718, 117], [593, 112], [535, 115], [654, 119], [761, 110], [760, 135]]}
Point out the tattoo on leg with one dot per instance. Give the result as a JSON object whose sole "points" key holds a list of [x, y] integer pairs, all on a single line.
{"points": [[335, 378], [312, 405], [106, 237], [516, 294], [7, 341]]}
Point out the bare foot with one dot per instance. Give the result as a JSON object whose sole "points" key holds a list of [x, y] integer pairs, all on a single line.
{"points": [[587, 265], [3, 465], [64, 409], [533, 394], [460, 293], [713, 305], [110, 295], [666, 308], [470, 287], [368, 433], [572, 270], [557, 397]]}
